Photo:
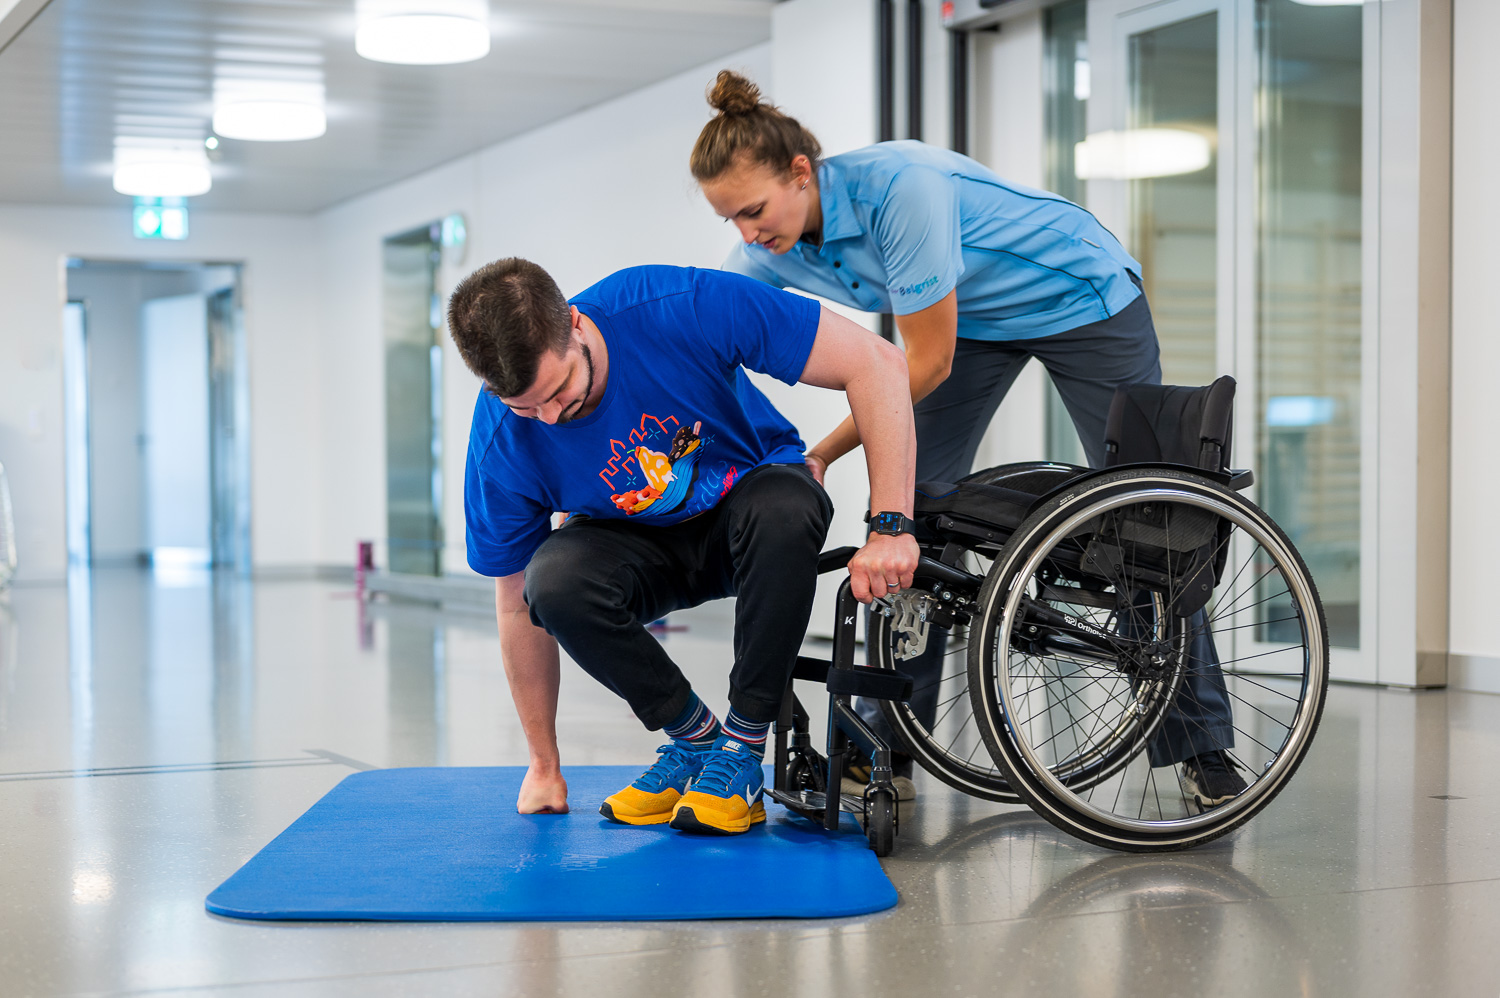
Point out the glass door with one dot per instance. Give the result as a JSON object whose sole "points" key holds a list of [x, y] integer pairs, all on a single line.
{"points": [[1225, 148], [413, 402]]}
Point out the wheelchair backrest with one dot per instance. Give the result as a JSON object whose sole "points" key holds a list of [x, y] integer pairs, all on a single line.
{"points": [[1172, 424]]}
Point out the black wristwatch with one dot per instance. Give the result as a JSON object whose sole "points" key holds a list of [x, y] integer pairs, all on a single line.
{"points": [[894, 524]]}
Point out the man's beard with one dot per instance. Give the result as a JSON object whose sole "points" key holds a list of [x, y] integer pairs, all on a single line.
{"points": [[588, 390]]}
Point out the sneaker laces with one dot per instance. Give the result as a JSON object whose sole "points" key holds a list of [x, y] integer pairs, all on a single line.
{"points": [[1214, 763], [672, 759], [719, 770]]}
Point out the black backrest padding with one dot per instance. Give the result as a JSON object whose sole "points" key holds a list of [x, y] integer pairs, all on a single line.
{"points": [[1171, 424]]}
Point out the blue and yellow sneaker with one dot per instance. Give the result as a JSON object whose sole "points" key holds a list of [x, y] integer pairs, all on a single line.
{"points": [[651, 798], [724, 799]]}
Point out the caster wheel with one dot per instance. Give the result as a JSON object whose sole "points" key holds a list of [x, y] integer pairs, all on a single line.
{"points": [[804, 773], [880, 821]]}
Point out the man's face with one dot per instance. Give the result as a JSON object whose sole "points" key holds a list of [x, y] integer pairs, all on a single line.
{"points": [[562, 387]]}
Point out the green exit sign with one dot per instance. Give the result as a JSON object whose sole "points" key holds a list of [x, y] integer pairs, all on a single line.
{"points": [[161, 218]]}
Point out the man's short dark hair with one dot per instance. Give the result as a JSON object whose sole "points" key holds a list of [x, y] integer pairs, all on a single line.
{"points": [[502, 317]]}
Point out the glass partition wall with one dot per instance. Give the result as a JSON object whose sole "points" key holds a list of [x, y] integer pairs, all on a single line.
{"points": [[1223, 144], [1307, 297], [413, 402]]}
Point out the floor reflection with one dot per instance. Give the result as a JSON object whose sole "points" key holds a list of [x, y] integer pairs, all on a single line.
{"points": [[153, 736]]}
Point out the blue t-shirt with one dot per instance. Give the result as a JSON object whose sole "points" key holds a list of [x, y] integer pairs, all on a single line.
{"points": [[905, 223], [678, 425]]}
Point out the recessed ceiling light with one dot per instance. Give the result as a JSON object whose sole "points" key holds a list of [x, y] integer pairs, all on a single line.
{"points": [[424, 34], [147, 168], [270, 120]]}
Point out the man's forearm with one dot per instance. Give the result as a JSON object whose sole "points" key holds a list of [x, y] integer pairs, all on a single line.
{"points": [[880, 402], [531, 667]]}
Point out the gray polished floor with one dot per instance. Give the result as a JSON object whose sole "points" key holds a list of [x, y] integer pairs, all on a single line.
{"points": [[154, 735]]}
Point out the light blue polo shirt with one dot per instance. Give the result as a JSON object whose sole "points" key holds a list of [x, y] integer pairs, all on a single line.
{"points": [[904, 223]]}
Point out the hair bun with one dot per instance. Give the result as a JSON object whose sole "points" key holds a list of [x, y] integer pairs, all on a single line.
{"points": [[733, 94]]}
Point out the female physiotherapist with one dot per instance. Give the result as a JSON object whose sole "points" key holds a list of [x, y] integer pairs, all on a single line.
{"points": [[982, 275]]}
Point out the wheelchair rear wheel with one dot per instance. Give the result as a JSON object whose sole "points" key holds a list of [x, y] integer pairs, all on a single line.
{"points": [[951, 747], [1083, 664]]}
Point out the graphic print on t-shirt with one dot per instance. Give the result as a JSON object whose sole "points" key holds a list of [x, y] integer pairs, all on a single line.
{"points": [[658, 466]]}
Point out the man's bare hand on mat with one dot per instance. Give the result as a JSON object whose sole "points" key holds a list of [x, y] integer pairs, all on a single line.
{"points": [[543, 793]]}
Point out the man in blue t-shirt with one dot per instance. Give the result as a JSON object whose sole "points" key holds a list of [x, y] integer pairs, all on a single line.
{"points": [[629, 409]]}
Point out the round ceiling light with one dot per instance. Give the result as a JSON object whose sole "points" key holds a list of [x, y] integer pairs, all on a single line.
{"points": [[270, 120], [162, 172], [422, 39]]}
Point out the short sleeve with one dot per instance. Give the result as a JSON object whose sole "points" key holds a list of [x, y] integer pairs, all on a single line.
{"points": [[503, 528], [749, 324], [740, 261], [917, 229]]}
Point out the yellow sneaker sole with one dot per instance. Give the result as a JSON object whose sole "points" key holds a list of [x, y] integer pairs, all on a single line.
{"points": [[633, 819], [685, 819]]}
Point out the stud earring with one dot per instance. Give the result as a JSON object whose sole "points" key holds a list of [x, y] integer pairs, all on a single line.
{"points": [[804, 187]]}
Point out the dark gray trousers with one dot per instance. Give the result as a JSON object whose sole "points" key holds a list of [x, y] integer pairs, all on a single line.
{"points": [[1087, 364]]}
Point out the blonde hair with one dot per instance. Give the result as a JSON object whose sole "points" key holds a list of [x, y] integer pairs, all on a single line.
{"points": [[747, 125]]}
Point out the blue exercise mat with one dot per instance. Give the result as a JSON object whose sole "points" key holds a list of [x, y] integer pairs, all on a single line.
{"points": [[446, 844]]}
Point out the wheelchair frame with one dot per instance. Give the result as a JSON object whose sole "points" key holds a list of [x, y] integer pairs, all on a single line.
{"points": [[808, 782]]}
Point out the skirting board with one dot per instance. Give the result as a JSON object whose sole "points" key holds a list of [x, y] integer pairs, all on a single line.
{"points": [[1479, 673]]}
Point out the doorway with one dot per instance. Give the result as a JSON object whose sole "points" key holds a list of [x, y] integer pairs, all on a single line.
{"points": [[412, 319], [157, 416]]}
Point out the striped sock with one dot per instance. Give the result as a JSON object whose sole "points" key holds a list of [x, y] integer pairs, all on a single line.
{"points": [[696, 724], [751, 734]]}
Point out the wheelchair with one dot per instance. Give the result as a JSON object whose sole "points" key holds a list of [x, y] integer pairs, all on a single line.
{"points": [[1076, 624]]}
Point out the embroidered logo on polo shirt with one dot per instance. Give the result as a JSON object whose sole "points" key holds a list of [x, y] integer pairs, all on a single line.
{"points": [[911, 289]]}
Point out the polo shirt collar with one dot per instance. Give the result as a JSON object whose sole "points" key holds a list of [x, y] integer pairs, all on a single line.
{"points": [[839, 220]]}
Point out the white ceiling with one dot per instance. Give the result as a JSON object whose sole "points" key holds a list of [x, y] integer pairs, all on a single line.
{"points": [[83, 71]]}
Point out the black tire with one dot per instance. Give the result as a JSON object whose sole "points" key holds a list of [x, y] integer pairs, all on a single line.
{"points": [[880, 821], [1028, 695], [954, 751], [807, 771]]}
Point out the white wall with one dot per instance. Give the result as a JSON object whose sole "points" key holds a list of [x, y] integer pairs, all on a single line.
{"points": [[585, 196], [1474, 640], [1008, 136], [281, 294]]}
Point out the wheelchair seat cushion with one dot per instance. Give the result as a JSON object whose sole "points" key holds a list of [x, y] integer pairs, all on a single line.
{"points": [[987, 505]]}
